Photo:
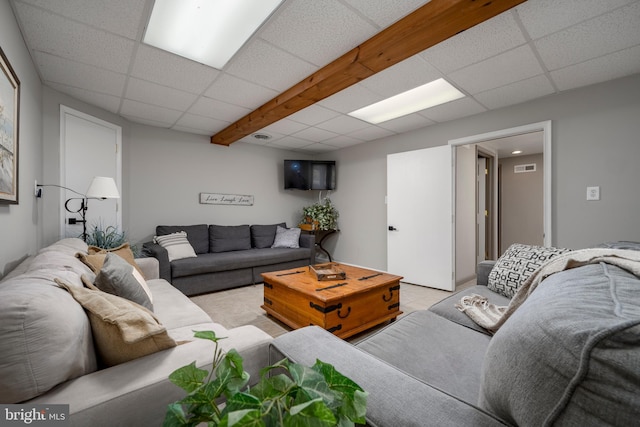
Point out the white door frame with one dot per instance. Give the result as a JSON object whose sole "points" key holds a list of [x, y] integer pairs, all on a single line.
{"points": [[64, 111], [545, 127]]}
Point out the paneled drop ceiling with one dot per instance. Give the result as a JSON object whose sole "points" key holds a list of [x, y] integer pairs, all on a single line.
{"points": [[92, 50]]}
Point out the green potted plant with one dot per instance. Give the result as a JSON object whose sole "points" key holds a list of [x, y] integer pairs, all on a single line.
{"points": [[322, 215], [107, 237], [316, 396]]}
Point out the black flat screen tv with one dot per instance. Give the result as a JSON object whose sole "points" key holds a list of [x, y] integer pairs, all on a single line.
{"points": [[310, 174]]}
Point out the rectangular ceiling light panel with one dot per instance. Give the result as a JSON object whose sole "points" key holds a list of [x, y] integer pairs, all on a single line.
{"points": [[206, 31], [420, 98]]}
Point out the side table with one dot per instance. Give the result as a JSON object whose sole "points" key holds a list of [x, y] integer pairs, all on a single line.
{"points": [[321, 236]]}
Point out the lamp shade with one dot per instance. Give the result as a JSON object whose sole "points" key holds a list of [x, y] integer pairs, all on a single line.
{"points": [[102, 187]]}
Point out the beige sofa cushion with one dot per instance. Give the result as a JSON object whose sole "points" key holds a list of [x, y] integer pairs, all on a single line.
{"points": [[122, 330], [46, 338]]}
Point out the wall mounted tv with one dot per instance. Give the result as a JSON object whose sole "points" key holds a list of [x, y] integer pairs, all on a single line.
{"points": [[310, 174]]}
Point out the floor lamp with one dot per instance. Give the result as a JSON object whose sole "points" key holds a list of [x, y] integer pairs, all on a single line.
{"points": [[101, 188]]}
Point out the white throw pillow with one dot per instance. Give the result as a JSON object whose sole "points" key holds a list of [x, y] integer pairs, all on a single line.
{"points": [[287, 238], [177, 245]]}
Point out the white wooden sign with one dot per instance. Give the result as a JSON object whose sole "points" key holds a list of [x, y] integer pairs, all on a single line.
{"points": [[226, 199]]}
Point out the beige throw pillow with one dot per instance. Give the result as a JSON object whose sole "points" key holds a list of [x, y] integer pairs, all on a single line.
{"points": [[122, 330], [94, 257]]}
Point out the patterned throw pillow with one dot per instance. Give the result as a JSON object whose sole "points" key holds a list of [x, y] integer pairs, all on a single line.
{"points": [[516, 265], [177, 245], [287, 238]]}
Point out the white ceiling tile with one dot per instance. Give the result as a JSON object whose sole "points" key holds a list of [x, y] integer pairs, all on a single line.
{"points": [[107, 102], [385, 12], [343, 124], [69, 73], [213, 108], [406, 123], [122, 17], [149, 112], [516, 93], [457, 109], [291, 142], [600, 36], [314, 134], [148, 122], [265, 65], [200, 124], [240, 92], [506, 68], [342, 141], [317, 148], [408, 74], [371, 133], [478, 43], [284, 127], [613, 66], [155, 94], [171, 70], [543, 17], [330, 29], [75, 41], [351, 99], [313, 115]]}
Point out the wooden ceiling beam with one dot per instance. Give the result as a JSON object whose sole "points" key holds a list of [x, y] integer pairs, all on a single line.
{"points": [[427, 26]]}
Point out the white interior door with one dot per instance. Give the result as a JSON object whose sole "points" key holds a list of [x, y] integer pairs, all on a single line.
{"points": [[90, 147], [419, 215]]}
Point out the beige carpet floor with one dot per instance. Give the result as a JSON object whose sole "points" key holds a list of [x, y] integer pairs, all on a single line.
{"points": [[241, 306]]}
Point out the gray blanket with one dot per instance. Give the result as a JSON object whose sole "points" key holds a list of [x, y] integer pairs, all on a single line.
{"points": [[491, 317]]}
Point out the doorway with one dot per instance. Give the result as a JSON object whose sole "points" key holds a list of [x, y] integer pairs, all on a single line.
{"points": [[89, 147], [493, 144]]}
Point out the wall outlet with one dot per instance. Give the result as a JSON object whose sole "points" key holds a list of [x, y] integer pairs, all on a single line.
{"points": [[593, 193]]}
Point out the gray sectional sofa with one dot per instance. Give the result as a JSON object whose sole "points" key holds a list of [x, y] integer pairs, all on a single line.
{"points": [[48, 352], [228, 256], [570, 355]]}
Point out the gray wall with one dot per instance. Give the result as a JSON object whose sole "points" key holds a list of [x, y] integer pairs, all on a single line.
{"points": [[164, 171], [168, 170], [19, 231], [521, 202], [595, 142]]}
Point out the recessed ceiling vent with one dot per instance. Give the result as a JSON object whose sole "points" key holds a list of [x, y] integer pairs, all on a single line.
{"points": [[524, 168], [262, 136]]}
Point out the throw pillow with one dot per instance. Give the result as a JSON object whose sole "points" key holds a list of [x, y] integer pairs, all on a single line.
{"points": [[225, 238], [118, 277], [262, 236], [198, 235], [287, 238], [95, 256], [516, 265], [122, 330], [177, 245]]}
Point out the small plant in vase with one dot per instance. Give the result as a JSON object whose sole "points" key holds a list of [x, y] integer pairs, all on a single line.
{"points": [[322, 215], [107, 237]]}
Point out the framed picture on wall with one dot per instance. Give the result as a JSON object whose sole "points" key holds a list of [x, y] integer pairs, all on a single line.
{"points": [[9, 126]]}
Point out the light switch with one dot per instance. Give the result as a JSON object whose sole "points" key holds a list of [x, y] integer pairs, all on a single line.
{"points": [[593, 193]]}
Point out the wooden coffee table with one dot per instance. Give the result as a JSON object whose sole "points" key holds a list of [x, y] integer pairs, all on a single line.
{"points": [[365, 298]]}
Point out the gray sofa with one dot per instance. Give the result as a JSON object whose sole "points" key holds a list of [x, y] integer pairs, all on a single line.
{"points": [[228, 256], [570, 355], [48, 353]]}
